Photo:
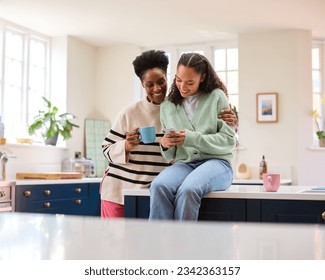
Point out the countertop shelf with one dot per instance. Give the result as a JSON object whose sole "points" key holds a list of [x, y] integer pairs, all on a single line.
{"points": [[251, 192], [61, 181]]}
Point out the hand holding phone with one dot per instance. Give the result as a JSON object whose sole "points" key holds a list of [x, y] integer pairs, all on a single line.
{"points": [[168, 130]]}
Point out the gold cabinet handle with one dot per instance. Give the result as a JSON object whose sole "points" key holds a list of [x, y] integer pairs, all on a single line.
{"points": [[323, 215], [47, 204], [78, 190], [47, 192], [27, 193], [78, 201]]}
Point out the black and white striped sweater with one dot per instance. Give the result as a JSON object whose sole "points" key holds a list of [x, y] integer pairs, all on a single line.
{"points": [[144, 162]]}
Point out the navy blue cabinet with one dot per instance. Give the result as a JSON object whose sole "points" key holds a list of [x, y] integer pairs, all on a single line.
{"points": [[249, 210], [221, 209], [293, 211], [211, 209], [72, 199]]}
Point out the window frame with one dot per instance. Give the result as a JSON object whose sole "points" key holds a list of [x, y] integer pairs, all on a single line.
{"points": [[320, 45], [27, 36]]}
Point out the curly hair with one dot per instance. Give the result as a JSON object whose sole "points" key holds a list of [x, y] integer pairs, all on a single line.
{"points": [[202, 66], [149, 60]]}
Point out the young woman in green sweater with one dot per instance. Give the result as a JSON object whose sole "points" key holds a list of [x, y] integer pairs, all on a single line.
{"points": [[200, 146]]}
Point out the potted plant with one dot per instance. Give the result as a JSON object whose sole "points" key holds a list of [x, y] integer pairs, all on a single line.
{"points": [[320, 132], [50, 124]]}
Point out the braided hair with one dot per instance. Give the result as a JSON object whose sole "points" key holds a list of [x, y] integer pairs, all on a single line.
{"points": [[202, 66]]}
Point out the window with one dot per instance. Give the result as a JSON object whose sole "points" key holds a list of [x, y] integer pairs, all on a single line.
{"points": [[224, 59], [24, 75], [226, 66], [317, 78]]}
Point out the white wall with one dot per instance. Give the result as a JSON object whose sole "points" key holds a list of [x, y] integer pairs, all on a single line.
{"points": [[81, 89], [278, 61], [116, 81]]}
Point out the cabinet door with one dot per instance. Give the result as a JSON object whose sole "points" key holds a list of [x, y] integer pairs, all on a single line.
{"points": [[94, 200], [293, 211], [214, 209], [222, 209], [56, 198], [136, 206]]}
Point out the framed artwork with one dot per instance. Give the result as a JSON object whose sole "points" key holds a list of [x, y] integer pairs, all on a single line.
{"points": [[267, 107]]}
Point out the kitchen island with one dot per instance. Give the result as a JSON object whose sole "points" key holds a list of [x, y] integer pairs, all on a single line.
{"points": [[64, 237], [294, 204]]}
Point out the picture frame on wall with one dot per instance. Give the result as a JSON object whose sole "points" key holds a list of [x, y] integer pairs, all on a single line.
{"points": [[267, 107]]}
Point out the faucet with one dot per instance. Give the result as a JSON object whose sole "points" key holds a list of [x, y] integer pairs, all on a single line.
{"points": [[3, 161]]}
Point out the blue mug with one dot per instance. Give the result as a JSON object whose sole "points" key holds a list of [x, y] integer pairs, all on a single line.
{"points": [[147, 134]]}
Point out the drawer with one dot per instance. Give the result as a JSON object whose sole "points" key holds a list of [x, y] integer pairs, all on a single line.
{"points": [[50, 192], [73, 206]]}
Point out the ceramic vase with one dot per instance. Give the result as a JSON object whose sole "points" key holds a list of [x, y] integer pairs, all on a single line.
{"points": [[322, 142], [52, 141]]}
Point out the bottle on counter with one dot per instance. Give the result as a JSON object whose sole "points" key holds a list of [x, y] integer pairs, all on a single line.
{"points": [[263, 167]]}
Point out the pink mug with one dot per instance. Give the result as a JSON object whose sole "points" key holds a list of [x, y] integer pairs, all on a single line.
{"points": [[271, 182]]}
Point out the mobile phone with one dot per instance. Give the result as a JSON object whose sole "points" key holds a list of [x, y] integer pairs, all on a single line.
{"points": [[168, 130]]}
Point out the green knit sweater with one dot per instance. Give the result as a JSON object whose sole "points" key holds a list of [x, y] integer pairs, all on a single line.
{"points": [[206, 136]]}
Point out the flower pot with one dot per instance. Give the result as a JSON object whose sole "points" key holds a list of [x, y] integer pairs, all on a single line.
{"points": [[52, 141], [322, 142]]}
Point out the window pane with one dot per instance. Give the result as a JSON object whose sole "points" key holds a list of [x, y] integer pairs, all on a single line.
{"points": [[13, 72], [37, 79], [220, 60], [233, 100], [222, 76], [232, 82], [37, 53], [316, 81], [13, 111], [315, 58], [14, 46], [232, 59]]}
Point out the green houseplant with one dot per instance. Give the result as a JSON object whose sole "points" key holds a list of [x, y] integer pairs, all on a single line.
{"points": [[50, 124]]}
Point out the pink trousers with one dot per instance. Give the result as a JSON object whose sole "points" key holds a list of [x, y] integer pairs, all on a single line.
{"points": [[111, 210]]}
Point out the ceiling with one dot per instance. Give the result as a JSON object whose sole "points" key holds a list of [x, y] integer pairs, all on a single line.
{"points": [[151, 23]]}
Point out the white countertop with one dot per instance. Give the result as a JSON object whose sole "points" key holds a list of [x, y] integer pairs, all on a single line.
{"points": [[252, 192], [257, 182], [98, 180], [49, 237], [63, 181]]}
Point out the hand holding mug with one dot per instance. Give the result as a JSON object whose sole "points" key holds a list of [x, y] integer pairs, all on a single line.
{"points": [[132, 140]]}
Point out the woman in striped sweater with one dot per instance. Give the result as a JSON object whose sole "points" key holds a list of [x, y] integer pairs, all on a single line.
{"points": [[133, 164]]}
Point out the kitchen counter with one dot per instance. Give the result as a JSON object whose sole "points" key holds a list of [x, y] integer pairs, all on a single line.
{"points": [[63, 237], [252, 192], [63, 181], [98, 180], [258, 182], [291, 204]]}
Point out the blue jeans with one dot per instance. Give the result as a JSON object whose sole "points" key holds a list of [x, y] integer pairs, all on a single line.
{"points": [[177, 191]]}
